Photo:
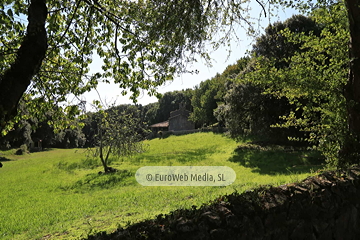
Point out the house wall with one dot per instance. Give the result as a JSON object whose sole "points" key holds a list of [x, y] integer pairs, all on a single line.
{"points": [[179, 123]]}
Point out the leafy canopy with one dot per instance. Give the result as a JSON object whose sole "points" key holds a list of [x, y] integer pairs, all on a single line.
{"points": [[141, 43], [313, 80], [116, 134]]}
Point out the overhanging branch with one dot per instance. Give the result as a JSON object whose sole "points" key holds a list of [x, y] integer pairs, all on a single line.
{"points": [[15, 80]]}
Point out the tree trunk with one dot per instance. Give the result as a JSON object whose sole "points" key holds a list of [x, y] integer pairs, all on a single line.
{"points": [[104, 163], [15, 80], [350, 153]]}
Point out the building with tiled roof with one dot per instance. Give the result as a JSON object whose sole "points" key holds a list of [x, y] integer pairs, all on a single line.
{"points": [[178, 121]]}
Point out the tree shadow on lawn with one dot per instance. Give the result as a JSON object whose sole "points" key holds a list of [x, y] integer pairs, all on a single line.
{"points": [[187, 156], [95, 181], [278, 161], [4, 159]]}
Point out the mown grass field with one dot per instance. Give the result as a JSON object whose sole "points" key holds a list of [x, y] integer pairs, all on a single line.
{"points": [[58, 193]]}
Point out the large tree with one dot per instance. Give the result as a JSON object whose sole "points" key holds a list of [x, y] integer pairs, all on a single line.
{"points": [[142, 45], [210, 93], [247, 109], [312, 80], [350, 147], [350, 152]]}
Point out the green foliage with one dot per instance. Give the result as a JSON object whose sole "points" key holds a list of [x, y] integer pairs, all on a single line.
{"points": [[210, 93], [116, 135], [142, 44], [241, 104], [204, 103], [150, 113], [22, 150], [170, 101], [136, 112], [249, 112], [31, 129], [275, 45], [313, 81]]}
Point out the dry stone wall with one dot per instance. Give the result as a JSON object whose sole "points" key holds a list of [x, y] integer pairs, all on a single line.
{"points": [[323, 207]]}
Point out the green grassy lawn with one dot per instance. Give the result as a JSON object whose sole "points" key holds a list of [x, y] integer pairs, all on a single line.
{"points": [[58, 194]]}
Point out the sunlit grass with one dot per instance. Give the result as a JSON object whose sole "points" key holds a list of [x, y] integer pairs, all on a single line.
{"points": [[59, 193]]}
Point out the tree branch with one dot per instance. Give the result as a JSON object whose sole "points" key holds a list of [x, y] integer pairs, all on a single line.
{"points": [[15, 80], [263, 7]]}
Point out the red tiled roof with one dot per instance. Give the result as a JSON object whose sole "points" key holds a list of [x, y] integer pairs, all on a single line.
{"points": [[161, 124]]}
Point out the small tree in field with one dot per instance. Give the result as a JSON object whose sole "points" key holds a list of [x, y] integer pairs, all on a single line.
{"points": [[117, 135]]}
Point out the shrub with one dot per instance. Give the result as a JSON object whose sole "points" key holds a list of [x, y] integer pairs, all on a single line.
{"points": [[22, 150]]}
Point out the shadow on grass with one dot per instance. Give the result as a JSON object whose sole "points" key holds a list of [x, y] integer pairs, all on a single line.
{"points": [[95, 181], [277, 160], [194, 155], [47, 149], [4, 159], [86, 163]]}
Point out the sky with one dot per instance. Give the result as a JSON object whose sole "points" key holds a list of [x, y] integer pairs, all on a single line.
{"points": [[221, 58]]}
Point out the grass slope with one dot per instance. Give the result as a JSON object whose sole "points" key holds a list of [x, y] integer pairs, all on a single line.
{"points": [[57, 194]]}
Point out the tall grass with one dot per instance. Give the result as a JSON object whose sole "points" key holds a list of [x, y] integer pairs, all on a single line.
{"points": [[59, 193]]}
